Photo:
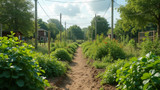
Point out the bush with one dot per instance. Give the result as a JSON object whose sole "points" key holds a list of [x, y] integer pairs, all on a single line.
{"points": [[62, 54], [18, 69], [142, 73], [101, 48], [150, 46], [100, 65], [51, 65], [109, 75]]}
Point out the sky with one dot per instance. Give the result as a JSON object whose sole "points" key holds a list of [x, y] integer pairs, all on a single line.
{"points": [[79, 12]]}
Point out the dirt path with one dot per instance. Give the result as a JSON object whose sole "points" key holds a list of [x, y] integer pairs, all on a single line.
{"points": [[80, 77]]}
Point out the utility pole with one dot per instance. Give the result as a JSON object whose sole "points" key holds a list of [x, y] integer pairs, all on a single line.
{"points": [[1, 31], [60, 26], [112, 19], [65, 33], [36, 33], [95, 26]]}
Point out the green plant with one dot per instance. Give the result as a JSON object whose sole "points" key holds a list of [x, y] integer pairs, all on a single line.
{"points": [[62, 54], [99, 49], [142, 73], [18, 69], [100, 65], [109, 75], [150, 46], [51, 65]]}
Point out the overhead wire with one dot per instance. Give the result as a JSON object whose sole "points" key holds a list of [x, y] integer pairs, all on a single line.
{"points": [[48, 8], [76, 2], [44, 10], [106, 10]]}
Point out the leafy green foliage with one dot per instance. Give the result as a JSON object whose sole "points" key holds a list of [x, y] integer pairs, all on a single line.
{"points": [[109, 76], [150, 46], [100, 65], [142, 73], [62, 54], [16, 15], [102, 25], [75, 33], [18, 69], [103, 48], [51, 65], [137, 13]]}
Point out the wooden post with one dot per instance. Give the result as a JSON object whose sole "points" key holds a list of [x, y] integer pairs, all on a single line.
{"points": [[60, 26], [1, 31], [36, 33], [95, 26], [65, 33], [49, 39], [112, 20]]}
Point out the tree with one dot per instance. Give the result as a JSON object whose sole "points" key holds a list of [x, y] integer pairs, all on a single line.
{"points": [[54, 30], [75, 32], [139, 13], [102, 25], [17, 15], [42, 24], [57, 23]]}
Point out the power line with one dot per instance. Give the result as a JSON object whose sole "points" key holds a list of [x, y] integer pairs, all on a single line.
{"points": [[43, 10], [76, 2], [117, 3], [48, 8], [107, 9]]}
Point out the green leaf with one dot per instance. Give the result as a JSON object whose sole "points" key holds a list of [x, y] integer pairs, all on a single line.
{"points": [[146, 81], [144, 59], [157, 74], [145, 86], [145, 76], [15, 76], [152, 71], [6, 74], [20, 83]]}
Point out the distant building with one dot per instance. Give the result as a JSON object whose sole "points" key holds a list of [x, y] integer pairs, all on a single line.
{"points": [[109, 36], [17, 34], [42, 35]]}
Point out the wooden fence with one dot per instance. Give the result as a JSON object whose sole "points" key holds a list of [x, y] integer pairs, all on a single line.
{"points": [[141, 35]]}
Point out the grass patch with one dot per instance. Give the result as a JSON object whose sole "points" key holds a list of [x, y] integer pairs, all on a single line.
{"points": [[100, 65]]}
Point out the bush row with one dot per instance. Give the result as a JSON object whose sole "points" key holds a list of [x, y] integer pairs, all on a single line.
{"points": [[51, 65], [18, 68], [22, 68], [103, 48], [132, 73], [65, 53]]}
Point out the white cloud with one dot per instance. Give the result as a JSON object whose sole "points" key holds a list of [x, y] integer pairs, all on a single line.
{"points": [[66, 9]]}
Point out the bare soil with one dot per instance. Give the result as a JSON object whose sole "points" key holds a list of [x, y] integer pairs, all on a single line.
{"points": [[80, 77]]}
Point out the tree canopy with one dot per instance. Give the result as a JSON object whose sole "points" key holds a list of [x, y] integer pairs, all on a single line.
{"points": [[75, 32], [16, 15], [139, 13], [102, 25]]}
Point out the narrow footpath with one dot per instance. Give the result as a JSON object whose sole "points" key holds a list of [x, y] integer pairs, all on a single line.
{"points": [[81, 76]]}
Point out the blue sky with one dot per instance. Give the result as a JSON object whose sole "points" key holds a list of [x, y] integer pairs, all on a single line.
{"points": [[80, 13]]}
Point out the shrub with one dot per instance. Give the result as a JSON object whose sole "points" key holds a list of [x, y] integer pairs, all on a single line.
{"points": [[51, 65], [150, 46], [100, 49], [109, 75], [18, 69], [142, 73], [62, 54], [100, 65]]}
